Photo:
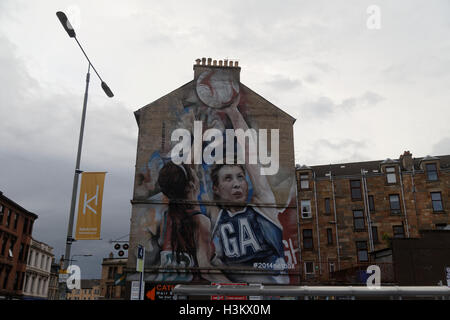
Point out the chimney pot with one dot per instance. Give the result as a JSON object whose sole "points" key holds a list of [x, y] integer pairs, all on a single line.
{"points": [[203, 61], [198, 62], [225, 63], [220, 63], [236, 63], [209, 61], [214, 62]]}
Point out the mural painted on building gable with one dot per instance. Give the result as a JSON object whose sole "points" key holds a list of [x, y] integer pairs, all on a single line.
{"points": [[214, 198]]}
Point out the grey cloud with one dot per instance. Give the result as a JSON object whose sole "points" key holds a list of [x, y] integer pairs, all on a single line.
{"points": [[442, 147], [371, 98], [39, 138], [311, 78], [324, 106], [323, 151], [284, 83], [346, 143]]}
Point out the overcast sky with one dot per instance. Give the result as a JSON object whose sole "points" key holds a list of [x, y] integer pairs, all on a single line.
{"points": [[357, 93]]}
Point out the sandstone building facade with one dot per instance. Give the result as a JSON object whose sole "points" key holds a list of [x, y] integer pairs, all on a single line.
{"points": [[348, 211]]}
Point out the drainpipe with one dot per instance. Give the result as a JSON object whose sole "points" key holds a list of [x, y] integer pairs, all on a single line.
{"points": [[336, 223], [317, 224], [404, 204], [414, 194], [367, 209], [300, 261]]}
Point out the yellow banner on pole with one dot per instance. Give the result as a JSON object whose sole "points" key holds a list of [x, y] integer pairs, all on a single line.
{"points": [[90, 206]]}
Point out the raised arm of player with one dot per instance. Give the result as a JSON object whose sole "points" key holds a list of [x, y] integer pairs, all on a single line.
{"points": [[262, 192]]}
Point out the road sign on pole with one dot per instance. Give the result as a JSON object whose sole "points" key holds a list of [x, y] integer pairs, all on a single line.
{"points": [[140, 259], [140, 268]]}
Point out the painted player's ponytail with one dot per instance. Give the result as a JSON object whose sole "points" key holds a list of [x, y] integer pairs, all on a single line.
{"points": [[174, 182]]}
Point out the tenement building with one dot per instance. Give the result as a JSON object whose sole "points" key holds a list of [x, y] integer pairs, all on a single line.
{"points": [[16, 226], [112, 284], [214, 195], [37, 279], [350, 210], [89, 290]]}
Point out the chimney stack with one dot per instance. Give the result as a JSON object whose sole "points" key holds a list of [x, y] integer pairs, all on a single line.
{"points": [[406, 161], [204, 64]]}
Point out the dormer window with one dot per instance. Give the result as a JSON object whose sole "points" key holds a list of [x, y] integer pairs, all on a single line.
{"points": [[391, 177], [304, 181], [431, 170]]}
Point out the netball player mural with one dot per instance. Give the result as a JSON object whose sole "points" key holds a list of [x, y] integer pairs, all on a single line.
{"points": [[214, 197]]}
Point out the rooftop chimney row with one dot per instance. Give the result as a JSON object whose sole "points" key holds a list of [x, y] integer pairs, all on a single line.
{"points": [[215, 63]]}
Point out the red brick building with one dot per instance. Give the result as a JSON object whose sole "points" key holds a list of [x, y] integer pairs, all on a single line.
{"points": [[16, 226], [349, 210]]}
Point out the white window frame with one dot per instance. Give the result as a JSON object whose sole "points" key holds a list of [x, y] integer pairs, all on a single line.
{"points": [[391, 173], [304, 179], [304, 204]]}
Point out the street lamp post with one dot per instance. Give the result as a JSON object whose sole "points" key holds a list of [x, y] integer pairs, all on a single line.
{"points": [[71, 32]]}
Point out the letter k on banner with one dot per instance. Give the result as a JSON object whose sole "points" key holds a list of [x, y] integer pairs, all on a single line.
{"points": [[90, 206]]}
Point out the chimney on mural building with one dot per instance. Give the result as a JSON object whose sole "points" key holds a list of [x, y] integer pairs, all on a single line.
{"points": [[407, 161], [205, 64]]}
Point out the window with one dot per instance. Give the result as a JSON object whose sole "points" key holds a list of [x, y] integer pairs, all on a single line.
{"points": [[25, 226], [8, 218], [329, 236], [358, 220], [431, 172], [2, 213], [390, 175], [5, 241], [398, 232], [375, 235], [111, 272], [30, 227], [16, 281], [355, 187], [5, 280], [436, 200], [16, 220], [306, 209], [307, 239], [361, 248], [394, 201], [371, 204], [21, 252], [304, 181], [442, 226], [327, 206], [331, 266], [11, 248], [309, 267]]}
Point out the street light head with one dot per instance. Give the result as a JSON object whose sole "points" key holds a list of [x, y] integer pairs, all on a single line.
{"points": [[107, 90], [66, 24]]}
